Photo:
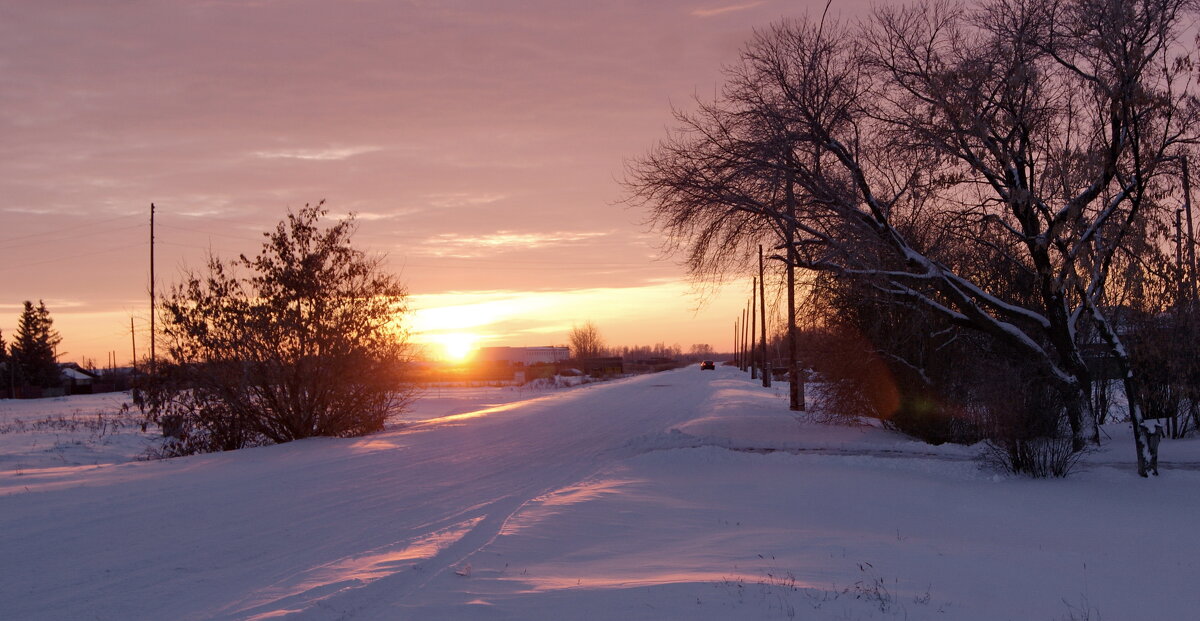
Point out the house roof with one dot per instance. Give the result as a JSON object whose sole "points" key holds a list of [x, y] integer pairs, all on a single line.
{"points": [[73, 374]]}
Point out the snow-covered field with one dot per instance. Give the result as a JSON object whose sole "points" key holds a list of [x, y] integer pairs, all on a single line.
{"points": [[682, 495], [38, 435]]}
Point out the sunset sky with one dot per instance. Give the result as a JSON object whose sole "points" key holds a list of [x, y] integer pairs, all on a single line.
{"points": [[480, 143]]}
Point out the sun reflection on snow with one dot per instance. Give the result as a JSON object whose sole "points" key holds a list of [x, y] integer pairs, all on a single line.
{"points": [[356, 571], [455, 418], [557, 579], [551, 504], [372, 445], [371, 567]]}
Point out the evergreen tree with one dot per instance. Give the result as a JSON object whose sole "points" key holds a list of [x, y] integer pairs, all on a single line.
{"points": [[32, 350], [5, 371]]}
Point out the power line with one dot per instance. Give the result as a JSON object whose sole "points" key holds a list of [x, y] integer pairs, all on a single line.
{"points": [[59, 230], [68, 257], [207, 232], [88, 233]]}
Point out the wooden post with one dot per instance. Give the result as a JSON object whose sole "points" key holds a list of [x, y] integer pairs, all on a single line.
{"points": [[796, 388], [1191, 240], [133, 342], [1182, 288], [736, 328], [762, 306], [152, 301], [745, 334], [735, 341], [753, 328]]}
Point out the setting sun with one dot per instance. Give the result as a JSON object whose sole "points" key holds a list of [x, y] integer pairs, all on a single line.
{"points": [[457, 346]]}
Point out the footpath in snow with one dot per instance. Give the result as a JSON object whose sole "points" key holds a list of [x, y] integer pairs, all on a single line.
{"points": [[682, 495]]}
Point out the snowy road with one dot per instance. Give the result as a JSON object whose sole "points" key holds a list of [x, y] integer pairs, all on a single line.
{"points": [[611, 501], [315, 525]]}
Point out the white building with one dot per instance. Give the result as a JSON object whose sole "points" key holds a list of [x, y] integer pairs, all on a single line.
{"points": [[523, 355]]}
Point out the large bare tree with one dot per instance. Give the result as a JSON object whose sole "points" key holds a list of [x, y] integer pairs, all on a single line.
{"points": [[986, 163], [723, 184]]}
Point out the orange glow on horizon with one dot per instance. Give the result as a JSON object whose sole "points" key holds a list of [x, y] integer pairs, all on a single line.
{"points": [[452, 326]]}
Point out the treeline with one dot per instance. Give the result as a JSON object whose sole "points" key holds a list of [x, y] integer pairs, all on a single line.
{"points": [[986, 204], [585, 342]]}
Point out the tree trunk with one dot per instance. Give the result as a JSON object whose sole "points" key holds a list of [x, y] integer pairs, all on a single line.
{"points": [[1117, 349]]}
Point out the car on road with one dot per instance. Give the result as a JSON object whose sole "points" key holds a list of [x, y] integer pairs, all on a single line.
{"points": [[708, 365]]}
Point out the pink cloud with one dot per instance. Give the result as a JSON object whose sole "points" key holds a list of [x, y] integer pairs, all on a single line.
{"points": [[728, 8], [460, 119]]}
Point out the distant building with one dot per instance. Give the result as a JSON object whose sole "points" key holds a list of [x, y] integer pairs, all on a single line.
{"points": [[522, 356], [76, 380]]}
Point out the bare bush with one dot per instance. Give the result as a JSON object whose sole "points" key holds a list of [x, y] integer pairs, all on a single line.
{"points": [[1033, 457], [304, 344], [1026, 435]]}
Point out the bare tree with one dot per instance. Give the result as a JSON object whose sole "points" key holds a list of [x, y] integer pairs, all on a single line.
{"points": [[986, 164], [585, 341], [1054, 122], [723, 184]]}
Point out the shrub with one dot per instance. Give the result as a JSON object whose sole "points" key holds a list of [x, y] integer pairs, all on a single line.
{"points": [[1027, 432], [305, 344]]}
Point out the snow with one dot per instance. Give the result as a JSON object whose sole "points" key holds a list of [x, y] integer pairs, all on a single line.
{"points": [[681, 495], [1152, 425], [38, 435]]}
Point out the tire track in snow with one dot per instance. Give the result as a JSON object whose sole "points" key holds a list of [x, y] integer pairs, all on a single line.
{"points": [[518, 454]]}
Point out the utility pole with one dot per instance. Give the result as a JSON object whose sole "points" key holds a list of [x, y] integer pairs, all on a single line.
{"points": [[762, 305], [753, 328], [152, 301], [133, 342], [745, 331], [735, 341], [796, 387], [795, 381], [1179, 255], [1191, 240]]}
